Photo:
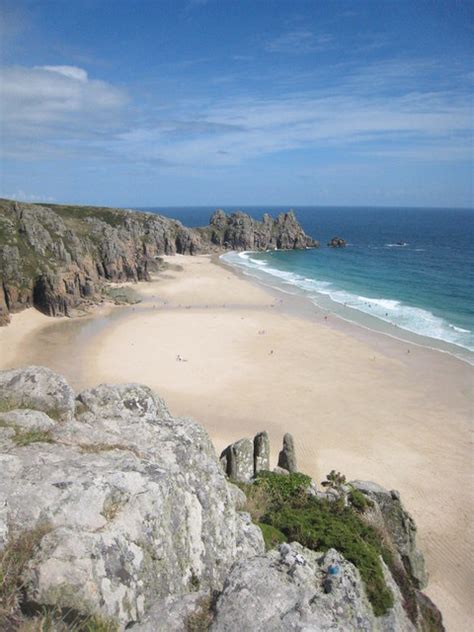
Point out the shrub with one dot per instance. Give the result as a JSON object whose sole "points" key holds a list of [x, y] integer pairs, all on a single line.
{"points": [[359, 500], [271, 536], [288, 513]]}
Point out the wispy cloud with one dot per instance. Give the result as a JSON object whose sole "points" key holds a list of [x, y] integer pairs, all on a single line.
{"points": [[57, 111], [300, 41]]}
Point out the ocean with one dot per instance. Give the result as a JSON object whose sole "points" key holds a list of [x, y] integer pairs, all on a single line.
{"points": [[407, 272]]}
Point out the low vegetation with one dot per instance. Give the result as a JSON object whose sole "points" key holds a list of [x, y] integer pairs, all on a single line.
{"points": [[286, 511], [14, 559], [26, 437]]}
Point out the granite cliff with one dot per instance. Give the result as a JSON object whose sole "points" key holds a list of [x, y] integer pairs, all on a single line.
{"points": [[59, 258], [114, 515]]}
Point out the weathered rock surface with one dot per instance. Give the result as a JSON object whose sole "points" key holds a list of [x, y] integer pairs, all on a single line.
{"points": [[237, 460], [37, 388], [59, 258], [337, 242], [242, 460], [261, 452], [401, 527], [239, 231], [286, 590], [136, 503], [140, 524], [287, 456]]}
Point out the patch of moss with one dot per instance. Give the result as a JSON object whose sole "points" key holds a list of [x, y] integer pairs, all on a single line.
{"points": [[25, 437], [271, 536]]}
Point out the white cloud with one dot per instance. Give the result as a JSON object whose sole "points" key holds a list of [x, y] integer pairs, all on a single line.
{"points": [[234, 131], [54, 104], [68, 71], [59, 112], [298, 42]]}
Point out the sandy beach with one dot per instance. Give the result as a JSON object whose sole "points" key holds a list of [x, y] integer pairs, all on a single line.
{"points": [[359, 402]]}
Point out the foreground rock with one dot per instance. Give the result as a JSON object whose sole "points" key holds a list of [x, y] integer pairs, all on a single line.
{"points": [[288, 589], [58, 258], [133, 519], [135, 504]]}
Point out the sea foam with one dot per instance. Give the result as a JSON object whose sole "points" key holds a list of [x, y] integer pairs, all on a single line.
{"points": [[413, 319]]}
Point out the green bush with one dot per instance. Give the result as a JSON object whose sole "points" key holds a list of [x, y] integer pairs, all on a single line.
{"points": [[293, 515], [281, 487], [271, 536], [359, 500], [319, 526]]}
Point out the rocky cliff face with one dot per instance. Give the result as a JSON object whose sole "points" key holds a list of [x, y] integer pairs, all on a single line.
{"points": [[111, 508], [239, 231], [58, 258]]}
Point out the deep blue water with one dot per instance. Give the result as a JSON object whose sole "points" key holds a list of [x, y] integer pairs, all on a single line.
{"points": [[425, 286]]}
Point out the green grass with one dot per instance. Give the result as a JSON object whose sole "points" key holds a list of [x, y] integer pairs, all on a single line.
{"points": [[14, 559], [292, 514], [26, 437], [271, 536]]}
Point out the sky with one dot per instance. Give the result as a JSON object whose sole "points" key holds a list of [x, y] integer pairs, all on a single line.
{"points": [[237, 102]]}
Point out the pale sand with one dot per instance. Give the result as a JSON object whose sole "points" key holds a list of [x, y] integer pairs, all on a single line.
{"points": [[355, 401]]}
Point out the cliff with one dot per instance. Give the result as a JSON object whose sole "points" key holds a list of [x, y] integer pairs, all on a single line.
{"points": [[114, 515], [59, 258]]}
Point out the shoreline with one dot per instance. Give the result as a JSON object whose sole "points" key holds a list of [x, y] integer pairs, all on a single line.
{"points": [[353, 398], [351, 315]]}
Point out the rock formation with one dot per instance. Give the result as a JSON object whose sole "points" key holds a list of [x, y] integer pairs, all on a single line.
{"points": [[130, 518], [134, 504], [287, 456], [58, 258], [337, 242], [401, 527], [239, 231], [261, 452]]}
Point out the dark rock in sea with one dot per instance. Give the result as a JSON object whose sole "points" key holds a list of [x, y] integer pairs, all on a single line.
{"points": [[287, 456], [337, 242]]}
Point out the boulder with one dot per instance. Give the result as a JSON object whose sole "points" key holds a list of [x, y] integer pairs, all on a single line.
{"points": [[287, 456], [261, 453], [37, 388], [237, 460]]}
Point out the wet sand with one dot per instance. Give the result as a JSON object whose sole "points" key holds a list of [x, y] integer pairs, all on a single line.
{"points": [[252, 359]]}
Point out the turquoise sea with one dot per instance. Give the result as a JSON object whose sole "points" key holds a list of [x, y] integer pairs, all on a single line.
{"points": [[405, 271]]}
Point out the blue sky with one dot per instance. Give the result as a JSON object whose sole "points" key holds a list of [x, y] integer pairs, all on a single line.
{"points": [[221, 102]]}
